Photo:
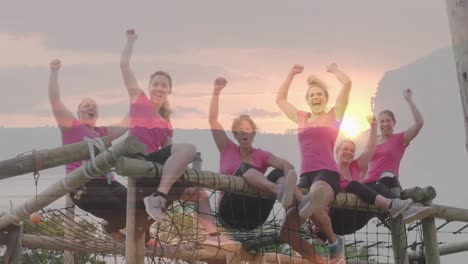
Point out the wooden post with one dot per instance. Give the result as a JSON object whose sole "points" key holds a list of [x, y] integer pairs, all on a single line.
{"points": [[14, 245], [69, 228], [47, 158], [430, 241], [399, 241], [135, 242], [458, 19]]}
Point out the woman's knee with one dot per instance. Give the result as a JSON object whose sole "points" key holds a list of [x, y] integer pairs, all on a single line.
{"points": [[186, 149]]}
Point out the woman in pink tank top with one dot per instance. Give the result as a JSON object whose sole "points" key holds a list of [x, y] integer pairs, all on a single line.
{"points": [[150, 122], [106, 200], [317, 133], [242, 159], [385, 163]]}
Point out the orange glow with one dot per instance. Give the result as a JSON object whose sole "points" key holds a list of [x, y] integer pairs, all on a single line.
{"points": [[350, 127]]}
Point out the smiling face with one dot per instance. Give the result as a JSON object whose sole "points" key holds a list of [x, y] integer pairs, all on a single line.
{"points": [[345, 152], [244, 130], [317, 99], [159, 88], [386, 122], [88, 112]]}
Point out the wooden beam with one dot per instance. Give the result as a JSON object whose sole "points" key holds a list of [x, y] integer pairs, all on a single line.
{"points": [[217, 181], [444, 249], [48, 158], [418, 194], [104, 162], [449, 213]]}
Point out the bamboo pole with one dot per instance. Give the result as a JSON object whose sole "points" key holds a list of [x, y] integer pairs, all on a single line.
{"points": [[430, 241], [217, 181], [47, 159], [458, 19], [104, 162], [399, 241]]}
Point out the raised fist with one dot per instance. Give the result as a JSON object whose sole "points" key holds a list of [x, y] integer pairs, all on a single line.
{"points": [[131, 35], [220, 83], [55, 64], [297, 69]]}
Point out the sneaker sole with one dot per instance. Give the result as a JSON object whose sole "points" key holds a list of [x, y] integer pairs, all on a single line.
{"points": [[421, 214], [289, 186], [406, 206], [145, 201]]}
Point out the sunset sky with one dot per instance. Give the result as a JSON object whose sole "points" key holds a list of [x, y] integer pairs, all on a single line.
{"points": [[253, 45]]}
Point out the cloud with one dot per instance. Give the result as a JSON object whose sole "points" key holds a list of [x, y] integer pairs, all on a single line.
{"points": [[259, 113], [184, 111]]}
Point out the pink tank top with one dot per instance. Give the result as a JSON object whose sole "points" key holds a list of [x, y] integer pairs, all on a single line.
{"points": [[387, 157], [230, 159], [148, 126], [355, 175], [76, 133], [317, 141]]}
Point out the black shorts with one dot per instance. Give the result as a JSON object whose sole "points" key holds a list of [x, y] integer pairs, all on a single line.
{"points": [[243, 212], [328, 176], [348, 221], [146, 187]]}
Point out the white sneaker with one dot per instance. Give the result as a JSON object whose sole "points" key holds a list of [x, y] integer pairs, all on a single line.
{"points": [[286, 193], [155, 206], [399, 206], [416, 213]]}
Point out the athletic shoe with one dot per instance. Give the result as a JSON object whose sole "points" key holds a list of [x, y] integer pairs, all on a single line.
{"points": [[398, 206], [155, 206], [286, 193], [416, 213], [336, 250]]}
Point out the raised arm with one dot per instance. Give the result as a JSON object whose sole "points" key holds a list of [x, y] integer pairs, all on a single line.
{"points": [[279, 163], [219, 135], [343, 97], [117, 130], [62, 114], [413, 130], [282, 95], [129, 78], [366, 156]]}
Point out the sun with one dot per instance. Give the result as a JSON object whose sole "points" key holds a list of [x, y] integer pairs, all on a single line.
{"points": [[350, 127]]}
